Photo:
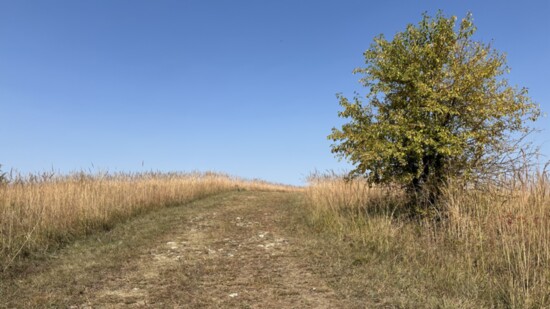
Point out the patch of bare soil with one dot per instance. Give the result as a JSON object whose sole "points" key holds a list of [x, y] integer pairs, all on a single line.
{"points": [[237, 253]]}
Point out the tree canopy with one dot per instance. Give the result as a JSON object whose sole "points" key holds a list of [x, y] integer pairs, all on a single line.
{"points": [[438, 106]]}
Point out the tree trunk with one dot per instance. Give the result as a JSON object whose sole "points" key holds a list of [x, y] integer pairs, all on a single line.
{"points": [[425, 190]]}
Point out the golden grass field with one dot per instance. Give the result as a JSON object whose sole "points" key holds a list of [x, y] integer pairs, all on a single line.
{"points": [[41, 212], [493, 245], [485, 248]]}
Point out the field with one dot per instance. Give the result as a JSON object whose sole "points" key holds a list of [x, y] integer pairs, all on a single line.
{"points": [[41, 212], [211, 240], [490, 247]]}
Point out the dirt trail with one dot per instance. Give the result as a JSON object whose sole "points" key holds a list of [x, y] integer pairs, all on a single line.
{"points": [[238, 251]]}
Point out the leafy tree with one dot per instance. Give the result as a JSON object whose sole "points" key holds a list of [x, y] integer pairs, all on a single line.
{"points": [[438, 106]]}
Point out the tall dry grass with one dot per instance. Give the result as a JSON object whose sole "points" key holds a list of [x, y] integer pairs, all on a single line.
{"points": [[40, 212], [491, 246]]}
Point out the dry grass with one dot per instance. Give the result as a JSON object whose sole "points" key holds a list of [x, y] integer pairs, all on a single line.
{"points": [[41, 212], [492, 248], [190, 256]]}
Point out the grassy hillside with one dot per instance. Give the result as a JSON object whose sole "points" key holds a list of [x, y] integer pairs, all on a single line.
{"points": [[41, 212], [490, 248]]}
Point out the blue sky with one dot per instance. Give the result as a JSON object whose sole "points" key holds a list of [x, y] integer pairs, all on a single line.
{"points": [[243, 87]]}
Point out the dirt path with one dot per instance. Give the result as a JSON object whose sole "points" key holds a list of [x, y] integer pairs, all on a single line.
{"points": [[234, 250]]}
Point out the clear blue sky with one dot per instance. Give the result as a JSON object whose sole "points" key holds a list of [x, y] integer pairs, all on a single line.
{"points": [[243, 87]]}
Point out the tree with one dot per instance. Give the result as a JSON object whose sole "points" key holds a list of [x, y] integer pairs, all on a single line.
{"points": [[438, 107]]}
